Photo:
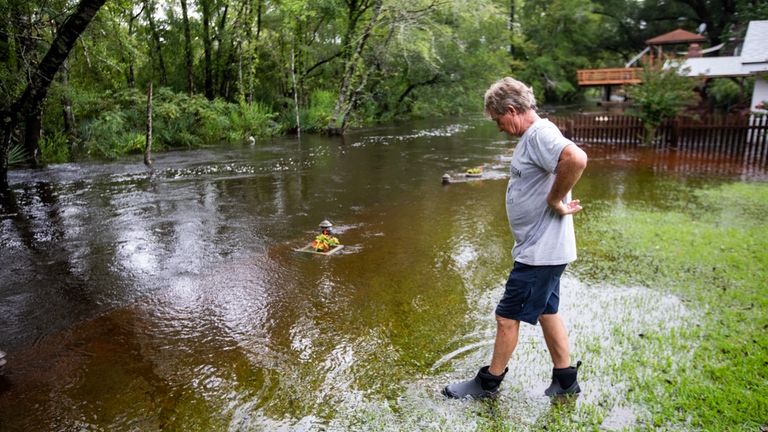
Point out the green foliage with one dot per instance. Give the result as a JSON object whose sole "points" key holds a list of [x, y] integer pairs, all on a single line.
{"points": [[179, 121], [317, 115], [747, 10], [442, 66], [726, 94], [422, 58], [250, 120], [17, 155], [555, 38], [107, 135], [54, 148], [663, 94]]}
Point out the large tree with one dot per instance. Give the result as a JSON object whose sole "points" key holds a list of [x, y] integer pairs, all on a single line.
{"points": [[27, 108]]}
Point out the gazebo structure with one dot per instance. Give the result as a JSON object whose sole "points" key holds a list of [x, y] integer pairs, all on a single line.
{"points": [[675, 37], [609, 77]]}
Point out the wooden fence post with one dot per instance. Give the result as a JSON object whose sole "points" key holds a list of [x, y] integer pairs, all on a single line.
{"points": [[675, 132]]}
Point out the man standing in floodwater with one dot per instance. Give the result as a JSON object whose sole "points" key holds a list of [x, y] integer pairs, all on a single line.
{"points": [[545, 167]]}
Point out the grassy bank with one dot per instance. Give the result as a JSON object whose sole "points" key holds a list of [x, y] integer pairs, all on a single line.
{"points": [[712, 251]]}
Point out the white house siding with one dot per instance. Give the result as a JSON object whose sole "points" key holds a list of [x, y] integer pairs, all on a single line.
{"points": [[760, 94]]}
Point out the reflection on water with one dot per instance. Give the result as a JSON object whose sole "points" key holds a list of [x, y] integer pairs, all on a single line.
{"points": [[174, 300]]}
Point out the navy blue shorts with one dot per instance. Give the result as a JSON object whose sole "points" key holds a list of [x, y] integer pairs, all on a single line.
{"points": [[531, 291]]}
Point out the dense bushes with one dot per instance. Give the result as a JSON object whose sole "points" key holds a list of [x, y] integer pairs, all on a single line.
{"points": [[112, 124], [727, 94]]}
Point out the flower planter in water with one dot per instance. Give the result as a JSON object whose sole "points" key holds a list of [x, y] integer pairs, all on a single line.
{"points": [[474, 172], [309, 249]]}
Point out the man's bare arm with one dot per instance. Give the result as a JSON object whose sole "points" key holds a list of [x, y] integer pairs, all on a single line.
{"points": [[571, 164]]}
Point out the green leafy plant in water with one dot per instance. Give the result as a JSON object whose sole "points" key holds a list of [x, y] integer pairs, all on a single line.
{"points": [[250, 120], [663, 94], [103, 136], [54, 148], [317, 116]]}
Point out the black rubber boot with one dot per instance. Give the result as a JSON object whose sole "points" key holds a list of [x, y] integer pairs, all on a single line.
{"points": [[483, 385], [564, 381]]}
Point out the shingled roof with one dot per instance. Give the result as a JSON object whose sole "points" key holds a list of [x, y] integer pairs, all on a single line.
{"points": [[753, 58], [678, 36]]}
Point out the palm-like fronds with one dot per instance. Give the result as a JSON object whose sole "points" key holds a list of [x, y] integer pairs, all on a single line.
{"points": [[16, 155]]}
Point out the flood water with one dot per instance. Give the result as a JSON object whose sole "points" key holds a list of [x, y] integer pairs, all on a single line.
{"points": [[175, 300]]}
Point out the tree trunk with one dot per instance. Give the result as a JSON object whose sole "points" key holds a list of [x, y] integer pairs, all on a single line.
{"points": [[131, 74], [148, 148], [208, 67], [258, 20], [413, 86], [188, 49], [511, 27], [30, 102], [69, 115], [33, 126], [295, 89], [5, 145], [338, 122], [149, 9], [221, 54]]}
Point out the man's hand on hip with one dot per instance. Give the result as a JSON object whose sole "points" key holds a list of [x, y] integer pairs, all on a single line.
{"points": [[574, 206]]}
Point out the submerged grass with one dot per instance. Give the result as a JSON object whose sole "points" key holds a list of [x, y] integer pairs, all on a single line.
{"points": [[712, 252]]}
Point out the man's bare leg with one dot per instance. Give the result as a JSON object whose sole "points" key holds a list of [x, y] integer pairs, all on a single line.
{"points": [[507, 332], [486, 382], [557, 339]]}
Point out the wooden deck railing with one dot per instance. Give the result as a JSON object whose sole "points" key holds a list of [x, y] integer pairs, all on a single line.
{"points": [[614, 76]]}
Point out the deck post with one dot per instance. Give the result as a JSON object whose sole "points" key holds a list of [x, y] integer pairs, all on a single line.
{"points": [[607, 93]]}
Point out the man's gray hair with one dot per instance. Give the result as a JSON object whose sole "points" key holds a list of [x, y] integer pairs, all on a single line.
{"points": [[508, 92]]}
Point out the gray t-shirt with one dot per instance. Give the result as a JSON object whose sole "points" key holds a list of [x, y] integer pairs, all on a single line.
{"points": [[542, 237]]}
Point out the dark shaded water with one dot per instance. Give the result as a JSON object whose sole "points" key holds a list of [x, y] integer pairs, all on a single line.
{"points": [[175, 300]]}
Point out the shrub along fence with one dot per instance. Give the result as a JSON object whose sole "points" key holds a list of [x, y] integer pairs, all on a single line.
{"points": [[717, 135]]}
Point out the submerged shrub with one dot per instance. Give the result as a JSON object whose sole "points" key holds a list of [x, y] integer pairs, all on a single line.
{"points": [[54, 147], [250, 120], [663, 94], [212, 122], [99, 134], [117, 122], [318, 114], [109, 136]]}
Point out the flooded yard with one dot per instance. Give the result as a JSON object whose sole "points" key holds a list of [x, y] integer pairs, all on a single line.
{"points": [[175, 300]]}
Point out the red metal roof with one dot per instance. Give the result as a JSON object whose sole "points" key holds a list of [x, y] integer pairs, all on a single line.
{"points": [[678, 36]]}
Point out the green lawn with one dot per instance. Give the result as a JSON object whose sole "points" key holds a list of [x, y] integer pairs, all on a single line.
{"points": [[712, 252]]}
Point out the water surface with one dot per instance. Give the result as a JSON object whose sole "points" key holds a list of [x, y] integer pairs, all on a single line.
{"points": [[174, 299]]}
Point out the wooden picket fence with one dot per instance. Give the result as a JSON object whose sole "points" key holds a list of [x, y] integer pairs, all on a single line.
{"points": [[722, 135], [601, 128]]}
